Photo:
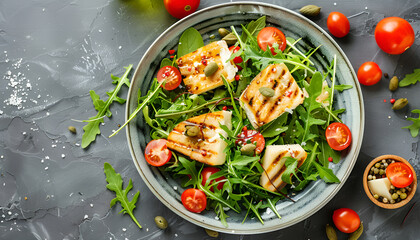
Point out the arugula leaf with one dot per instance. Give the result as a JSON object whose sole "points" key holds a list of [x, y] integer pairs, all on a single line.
{"points": [[165, 62], [415, 127], [189, 41], [92, 128], [342, 87], [189, 169], [115, 183], [326, 152], [409, 79], [254, 27], [291, 165], [275, 127], [271, 203], [326, 174], [221, 214]]}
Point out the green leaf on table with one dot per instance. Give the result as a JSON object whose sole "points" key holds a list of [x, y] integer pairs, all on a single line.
{"points": [[91, 130], [326, 174], [115, 183], [415, 127], [409, 79], [291, 165], [189, 41]]}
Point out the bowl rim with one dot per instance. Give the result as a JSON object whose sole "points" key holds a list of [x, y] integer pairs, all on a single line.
{"points": [[347, 173], [413, 185]]}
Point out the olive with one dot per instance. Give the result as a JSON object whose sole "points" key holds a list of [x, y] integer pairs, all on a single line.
{"points": [[212, 233], [161, 222]]}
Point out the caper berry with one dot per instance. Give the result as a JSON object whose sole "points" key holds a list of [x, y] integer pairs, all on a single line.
{"points": [[377, 165], [72, 129], [403, 195], [394, 196], [161, 222]]}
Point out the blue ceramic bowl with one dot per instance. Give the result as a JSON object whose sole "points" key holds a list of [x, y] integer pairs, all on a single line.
{"points": [[207, 22]]}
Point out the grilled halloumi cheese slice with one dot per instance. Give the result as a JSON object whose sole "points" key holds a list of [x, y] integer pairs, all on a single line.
{"points": [[287, 95], [273, 164], [207, 147], [192, 67]]}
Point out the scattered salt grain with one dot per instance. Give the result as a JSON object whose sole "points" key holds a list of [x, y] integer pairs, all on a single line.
{"points": [[175, 188], [46, 168], [86, 217], [63, 155], [120, 47], [9, 212], [124, 229], [91, 205]]}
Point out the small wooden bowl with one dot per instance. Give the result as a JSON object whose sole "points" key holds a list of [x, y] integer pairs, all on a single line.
{"points": [[413, 185]]}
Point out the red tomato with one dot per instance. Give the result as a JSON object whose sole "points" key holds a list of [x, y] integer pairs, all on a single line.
{"points": [[171, 75], [238, 59], [338, 136], [346, 220], [181, 8], [394, 35], [207, 172], [269, 36], [338, 24], [369, 73], [254, 137], [194, 200], [157, 153], [399, 174]]}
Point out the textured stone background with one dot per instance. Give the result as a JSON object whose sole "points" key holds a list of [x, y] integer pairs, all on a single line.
{"points": [[52, 52]]}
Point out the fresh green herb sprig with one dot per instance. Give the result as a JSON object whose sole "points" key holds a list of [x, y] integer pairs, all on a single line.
{"points": [[115, 183], [410, 79], [92, 128], [415, 127]]}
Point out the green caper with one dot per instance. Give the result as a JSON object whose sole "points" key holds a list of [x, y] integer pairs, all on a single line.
{"points": [[72, 129], [267, 92], [248, 149], [356, 234], [191, 130], [223, 32], [210, 69], [394, 196], [400, 103], [230, 39], [393, 83], [377, 165], [403, 195], [310, 10], [161, 222], [330, 231], [212, 233]]}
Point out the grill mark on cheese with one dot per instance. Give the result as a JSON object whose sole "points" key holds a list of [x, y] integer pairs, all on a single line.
{"points": [[276, 161], [278, 175]]}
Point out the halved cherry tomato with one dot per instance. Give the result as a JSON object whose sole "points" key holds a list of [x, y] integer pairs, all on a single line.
{"points": [[399, 174], [338, 136], [157, 153], [171, 75], [194, 200], [181, 8], [369, 73], [237, 59], [269, 36], [346, 220], [207, 172], [394, 35], [338, 24], [254, 137]]}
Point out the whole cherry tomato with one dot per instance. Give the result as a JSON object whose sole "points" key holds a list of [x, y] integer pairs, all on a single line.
{"points": [[369, 73], [157, 153], [394, 35], [399, 174], [338, 136], [207, 172], [270, 35], [194, 200], [346, 220], [171, 75], [181, 8], [338, 24]]}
